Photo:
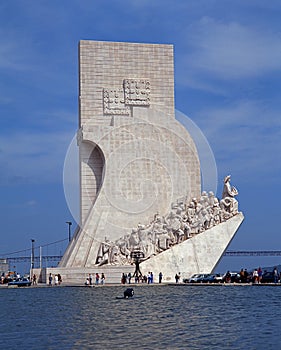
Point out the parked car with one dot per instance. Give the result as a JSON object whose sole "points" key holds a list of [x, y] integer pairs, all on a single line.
{"points": [[20, 282], [267, 277], [231, 277], [187, 280], [212, 278], [197, 278]]}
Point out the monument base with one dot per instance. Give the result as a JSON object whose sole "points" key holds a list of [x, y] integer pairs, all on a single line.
{"points": [[199, 254]]}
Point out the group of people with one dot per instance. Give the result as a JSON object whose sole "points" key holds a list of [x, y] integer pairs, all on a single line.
{"points": [[257, 276], [55, 280], [99, 279], [139, 278], [126, 278], [6, 277], [185, 220]]}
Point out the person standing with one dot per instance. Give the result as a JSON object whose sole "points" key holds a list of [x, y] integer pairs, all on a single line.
{"points": [[242, 276], [246, 276], [255, 276], [160, 277], [97, 278], [50, 279], [123, 278], [275, 275], [90, 279], [56, 280], [259, 274], [102, 278], [34, 279]]}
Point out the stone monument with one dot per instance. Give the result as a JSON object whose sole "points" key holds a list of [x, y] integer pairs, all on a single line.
{"points": [[140, 188]]}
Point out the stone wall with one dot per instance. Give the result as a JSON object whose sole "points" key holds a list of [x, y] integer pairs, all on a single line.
{"points": [[135, 158], [105, 66]]}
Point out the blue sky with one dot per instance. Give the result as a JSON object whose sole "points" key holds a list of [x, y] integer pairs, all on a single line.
{"points": [[227, 80]]}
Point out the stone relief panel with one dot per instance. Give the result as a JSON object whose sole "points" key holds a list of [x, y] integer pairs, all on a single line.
{"points": [[137, 92], [184, 221], [113, 102], [134, 93]]}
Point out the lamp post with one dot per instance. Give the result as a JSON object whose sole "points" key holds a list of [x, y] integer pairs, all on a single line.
{"points": [[69, 230], [40, 257], [32, 254]]}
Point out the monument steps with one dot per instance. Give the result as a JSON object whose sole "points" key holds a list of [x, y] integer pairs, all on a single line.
{"points": [[76, 275]]}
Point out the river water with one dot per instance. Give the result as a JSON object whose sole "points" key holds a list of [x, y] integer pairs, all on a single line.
{"points": [[158, 317]]}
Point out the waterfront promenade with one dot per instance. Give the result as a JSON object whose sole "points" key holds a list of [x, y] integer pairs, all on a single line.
{"points": [[150, 285]]}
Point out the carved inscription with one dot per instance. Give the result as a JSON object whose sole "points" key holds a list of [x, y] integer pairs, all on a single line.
{"points": [[136, 92], [113, 102]]}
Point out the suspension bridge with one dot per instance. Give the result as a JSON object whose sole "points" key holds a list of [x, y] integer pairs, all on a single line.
{"points": [[50, 254], [57, 258]]}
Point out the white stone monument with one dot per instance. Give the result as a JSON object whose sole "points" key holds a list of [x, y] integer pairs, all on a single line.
{"points": [[140, 184]]}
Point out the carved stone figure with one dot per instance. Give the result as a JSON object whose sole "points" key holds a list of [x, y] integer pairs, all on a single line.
{"points": [[163, 241], [103, 253], [191, 212], [183, 222], [216, 211], [228, 203], [150, 246], [228, 191], [134, 239]]}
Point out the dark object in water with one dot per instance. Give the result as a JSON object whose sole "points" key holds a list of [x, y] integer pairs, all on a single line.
{"points": [[128, 293]]}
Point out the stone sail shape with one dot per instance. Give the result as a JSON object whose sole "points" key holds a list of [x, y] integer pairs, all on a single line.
{"points": [[135, 158], [199, 254]]}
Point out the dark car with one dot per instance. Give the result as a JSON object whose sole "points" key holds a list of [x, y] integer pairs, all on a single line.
{"points": [[231, 277], [20, 282], [212, 278], [267, 277], [197, 278]]}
